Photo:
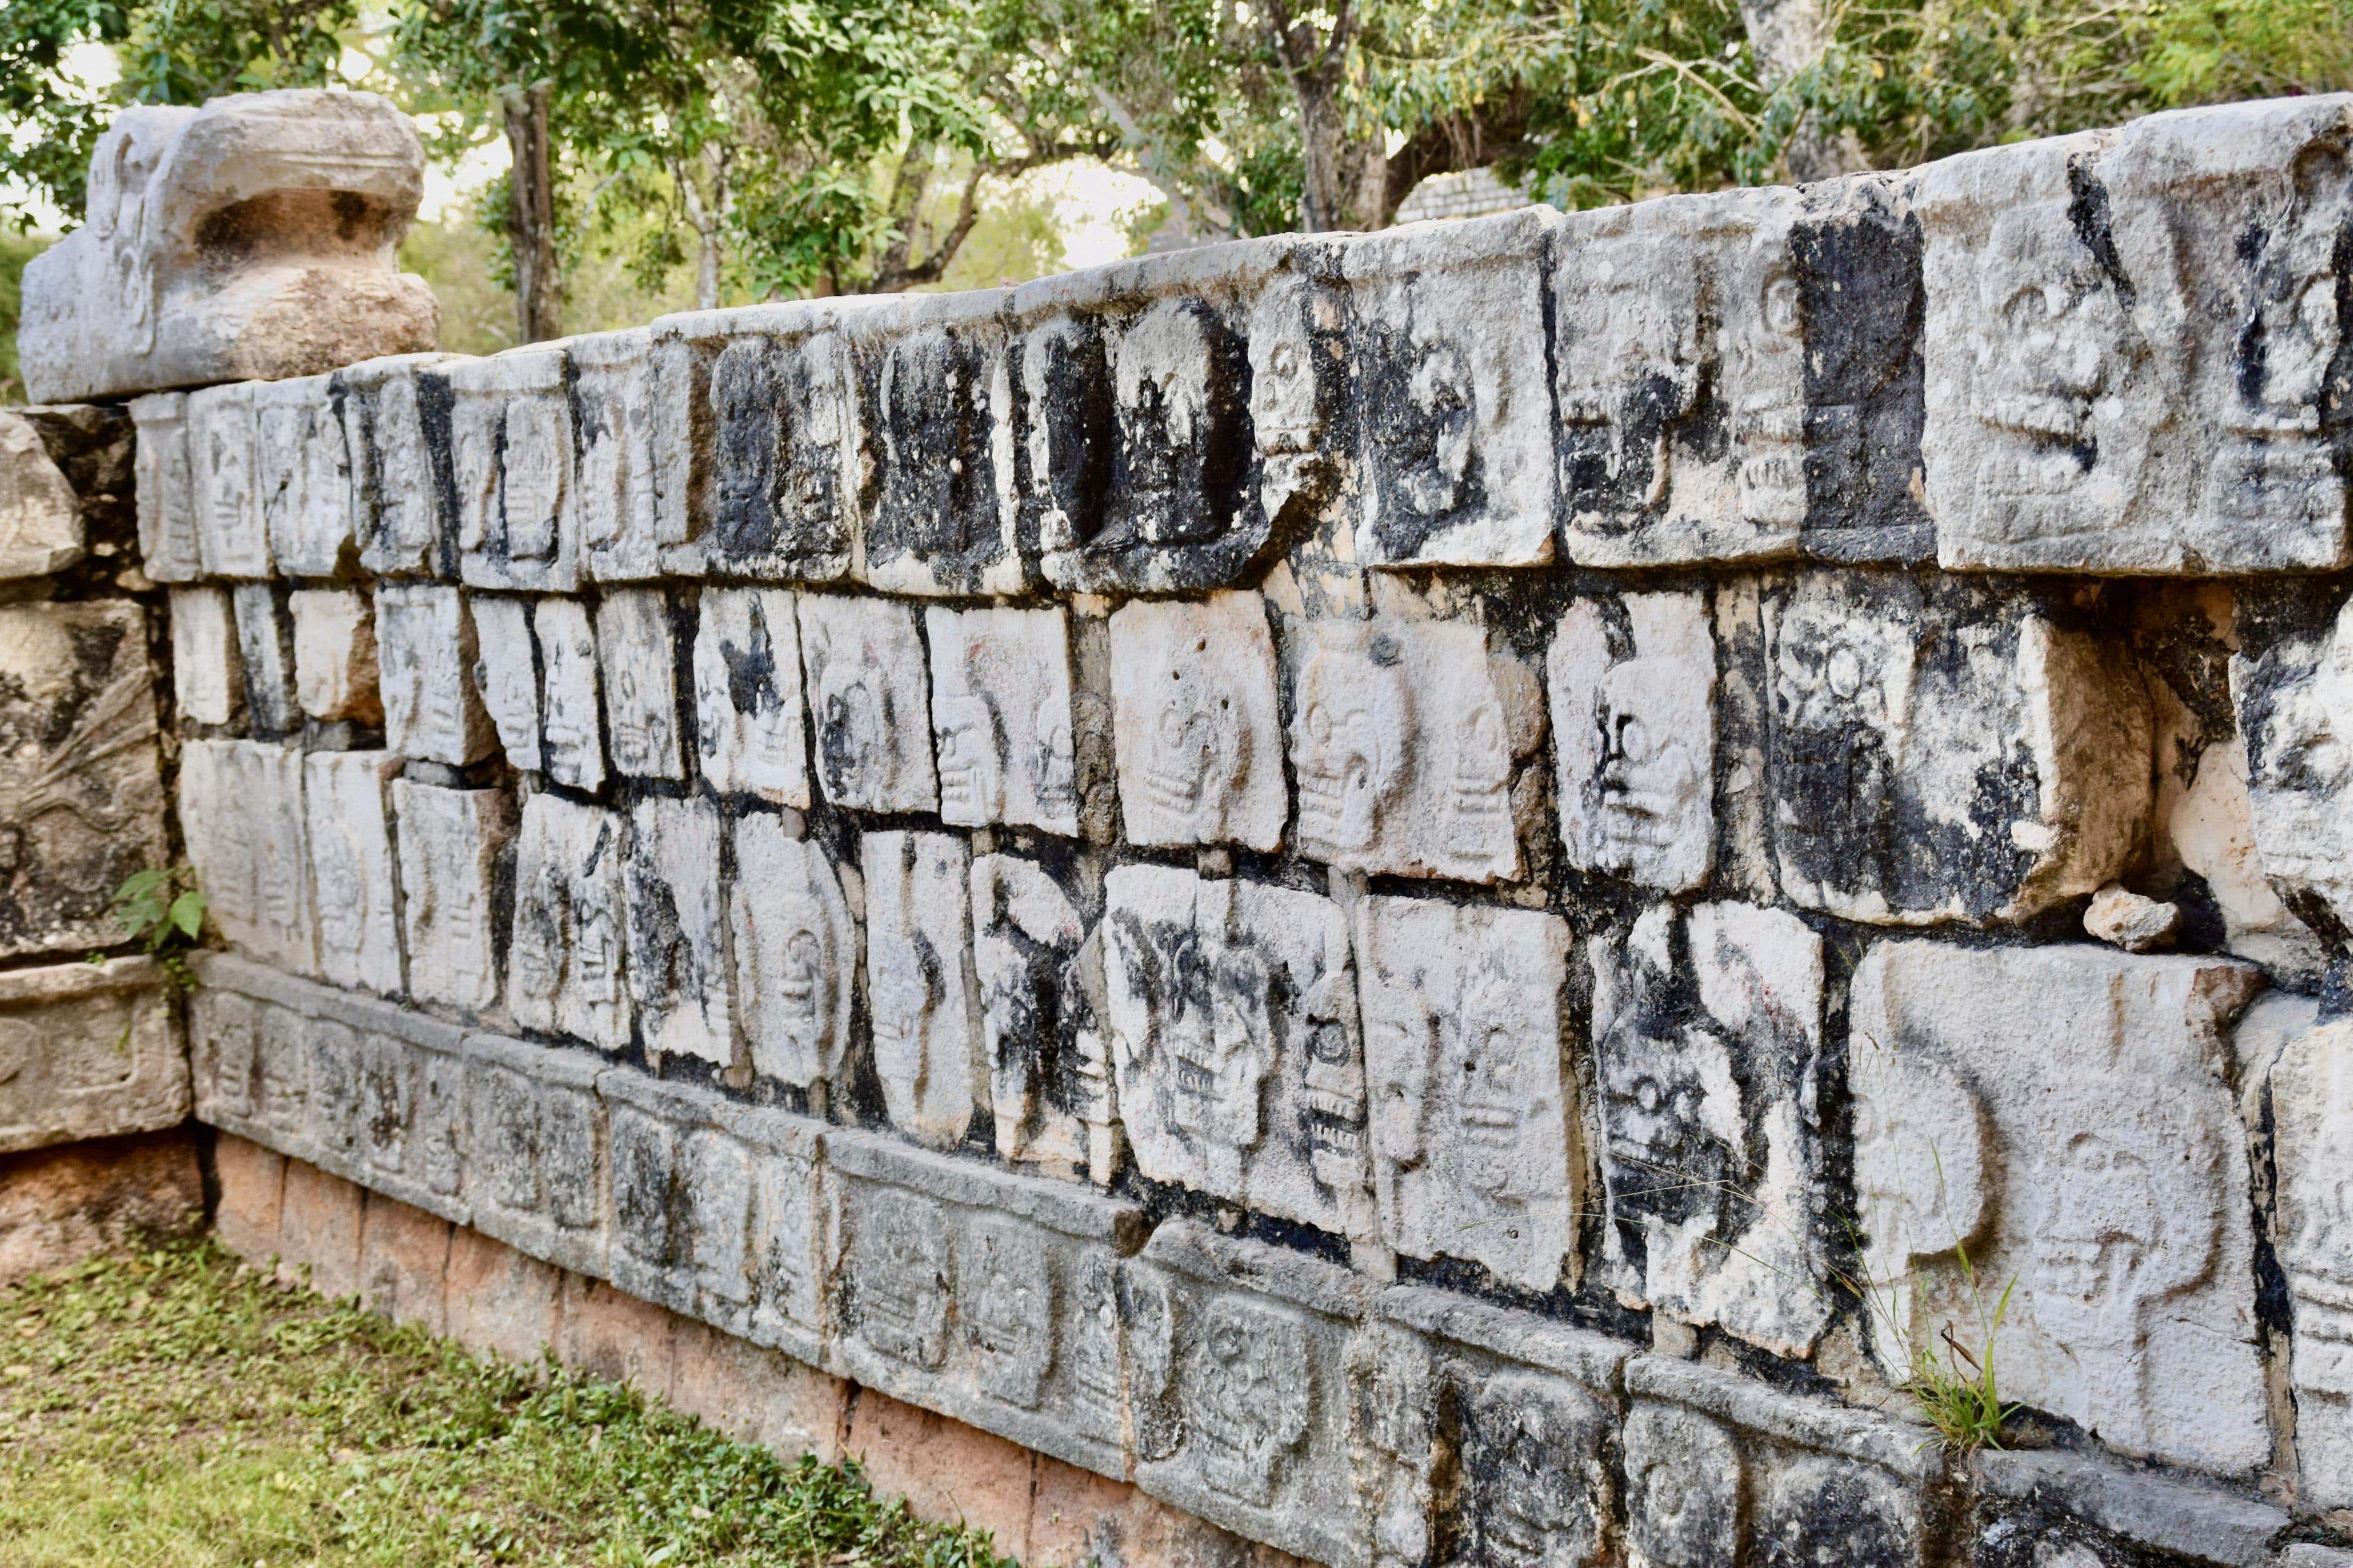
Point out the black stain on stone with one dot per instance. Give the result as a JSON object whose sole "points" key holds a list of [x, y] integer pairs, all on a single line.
{"points": [[1420, 420], [938, 501]]}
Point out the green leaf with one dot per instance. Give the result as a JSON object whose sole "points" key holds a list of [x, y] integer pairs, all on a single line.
{"points": [[188, 913]]}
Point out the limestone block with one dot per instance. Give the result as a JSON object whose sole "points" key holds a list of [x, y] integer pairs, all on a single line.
{"points": [[1042, 1019], [921, 990], [794, 1233], [2311, 1113], [1707, 1031], [426, 650], [1233, 1023], [2142, 332], [412, 1112], [2061, 1111], [506, 675], [564, 961], [572, 735], [1237, 1358], [750, 727], [396, 436], [242, 812], [2068, 1509], [795, 955], [264, 656], [636, 657], [251, 238], [1001, 711], [1405, 738], [208, 681], [89, 1051], [224, 1043], [334, 655], [783, 470], [1474, 1142], [538, 1180], [1196, 727], [870, 702], [1630, 684], [231, 539], [1945, 752], [674, 922], [165, 487], [1714, 1459], [989, 1296], [453, 847], [346, 815], [936, 397], [1447, 357], [40, 520], [2127, 919], [636, 394], [302, 469], [681, 1189], [511, 455]]}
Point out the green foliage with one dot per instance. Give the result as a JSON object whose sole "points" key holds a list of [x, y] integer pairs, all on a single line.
{"points": [[16, 249], [1954, 1387], [163, 911], [180, 1408]]}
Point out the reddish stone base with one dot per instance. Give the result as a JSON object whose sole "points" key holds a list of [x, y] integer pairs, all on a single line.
{"points": [[60, 1206]]}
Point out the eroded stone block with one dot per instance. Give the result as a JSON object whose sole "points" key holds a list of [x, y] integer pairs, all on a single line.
{"points": [[750, 729], [334, 655], [538, 1179], [675, 929], [795, 955], [241, 809], [1456, 444], [1196, 727], [506, 674], [1001, 710], [565, 963], [2062, 1113], [1707, 1031], [89, 1051], [1475, 1154], [511, 448], [426, 650], [1630, 682], [2054, 1507], [452, 844], [572, 732], [1042, 1018], [2312, 1115], [208, 681], [345, 808], [784, 476], [301, 466], [920, 986], [1233, 1023], [870, 702], [636, 396], [404, 493], [1405, 738], [681, 1189], [1945, 752], [635, 654], [40, 520], [231, 540], [165, 487], [264, 656]]}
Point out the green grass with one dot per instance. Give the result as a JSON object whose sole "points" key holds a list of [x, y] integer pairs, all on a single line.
{"points": [[181, 1409]]}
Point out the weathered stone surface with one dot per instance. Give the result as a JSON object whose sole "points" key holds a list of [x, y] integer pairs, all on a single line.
{"points": [[675, 922], [2064, 1508], [241, 809], [265, 657], [1233, 1022], [538, 1180], [41, 521], [1197, 729], [1942, 753], [166, 487], [64, 1205], [564, 963], [425, 664], [2311, 1115], [208, 681], [231, 538], [334, 655], [571, 733], [302, 470], [344, 797], [404, 491], [635, 394], [252, 238], [1001, 711], [506, 674], [2062, 1113], [1405, 737], [2136, 337], [795, 955], [88, 1051], [510, 450], [1630, 682], [1474, 1142], [921, 989], [454, 845], [750, 729], [2127, 919], [1707, 1034], [1042, 1018], [783, 478], [637, 654], [870, 702]]}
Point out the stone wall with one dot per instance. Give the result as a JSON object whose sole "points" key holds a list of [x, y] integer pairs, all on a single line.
{"points": [[1436, 893]]}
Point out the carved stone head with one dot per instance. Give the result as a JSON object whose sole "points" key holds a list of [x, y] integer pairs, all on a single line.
{"points": [[1354, 717], [1530, 1444], [1293, 390], [1652, 784], [1180, 439], [1683, 1490], [972, 739], [2053, 339]]}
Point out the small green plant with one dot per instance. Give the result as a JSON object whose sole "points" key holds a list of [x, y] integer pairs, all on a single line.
{"points": [[163, 911], [1953, 1386]]}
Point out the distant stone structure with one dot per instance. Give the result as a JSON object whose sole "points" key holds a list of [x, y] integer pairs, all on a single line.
{"points": [[1435, 896]]}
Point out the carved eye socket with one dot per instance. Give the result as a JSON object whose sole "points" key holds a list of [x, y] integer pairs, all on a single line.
{"points": [[1843, 673], [1284, 360], [2028, 307], [1319, 725], [1781, 305]]}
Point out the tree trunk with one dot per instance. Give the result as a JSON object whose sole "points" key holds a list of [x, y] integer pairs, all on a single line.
{"points": [[531, 215], [709, 221], [1787, 37], [1332, 172]]}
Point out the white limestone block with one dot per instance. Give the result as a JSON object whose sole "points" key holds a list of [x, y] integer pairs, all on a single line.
{"points": [[231, 540], [425, 664], [784, 470], [749, 723], [565, 962], [921, 989], [506, 674], [166, 487], [346, 797], [1196, 730], [206, 679], [795, 955], [2312, 1151], [2294, 694], [1631, 682], [453, 844], [870, 700], [302, 469], [2062, 1112], [89, 1051], [265, 652], [1041, 1007], [635, 391], [40, 520], [334, 655], [638, 659], [396, 434], [1001, 711], [241, 810], [1474, 1123], [676, 916], [571, 733], [510, 452]]}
